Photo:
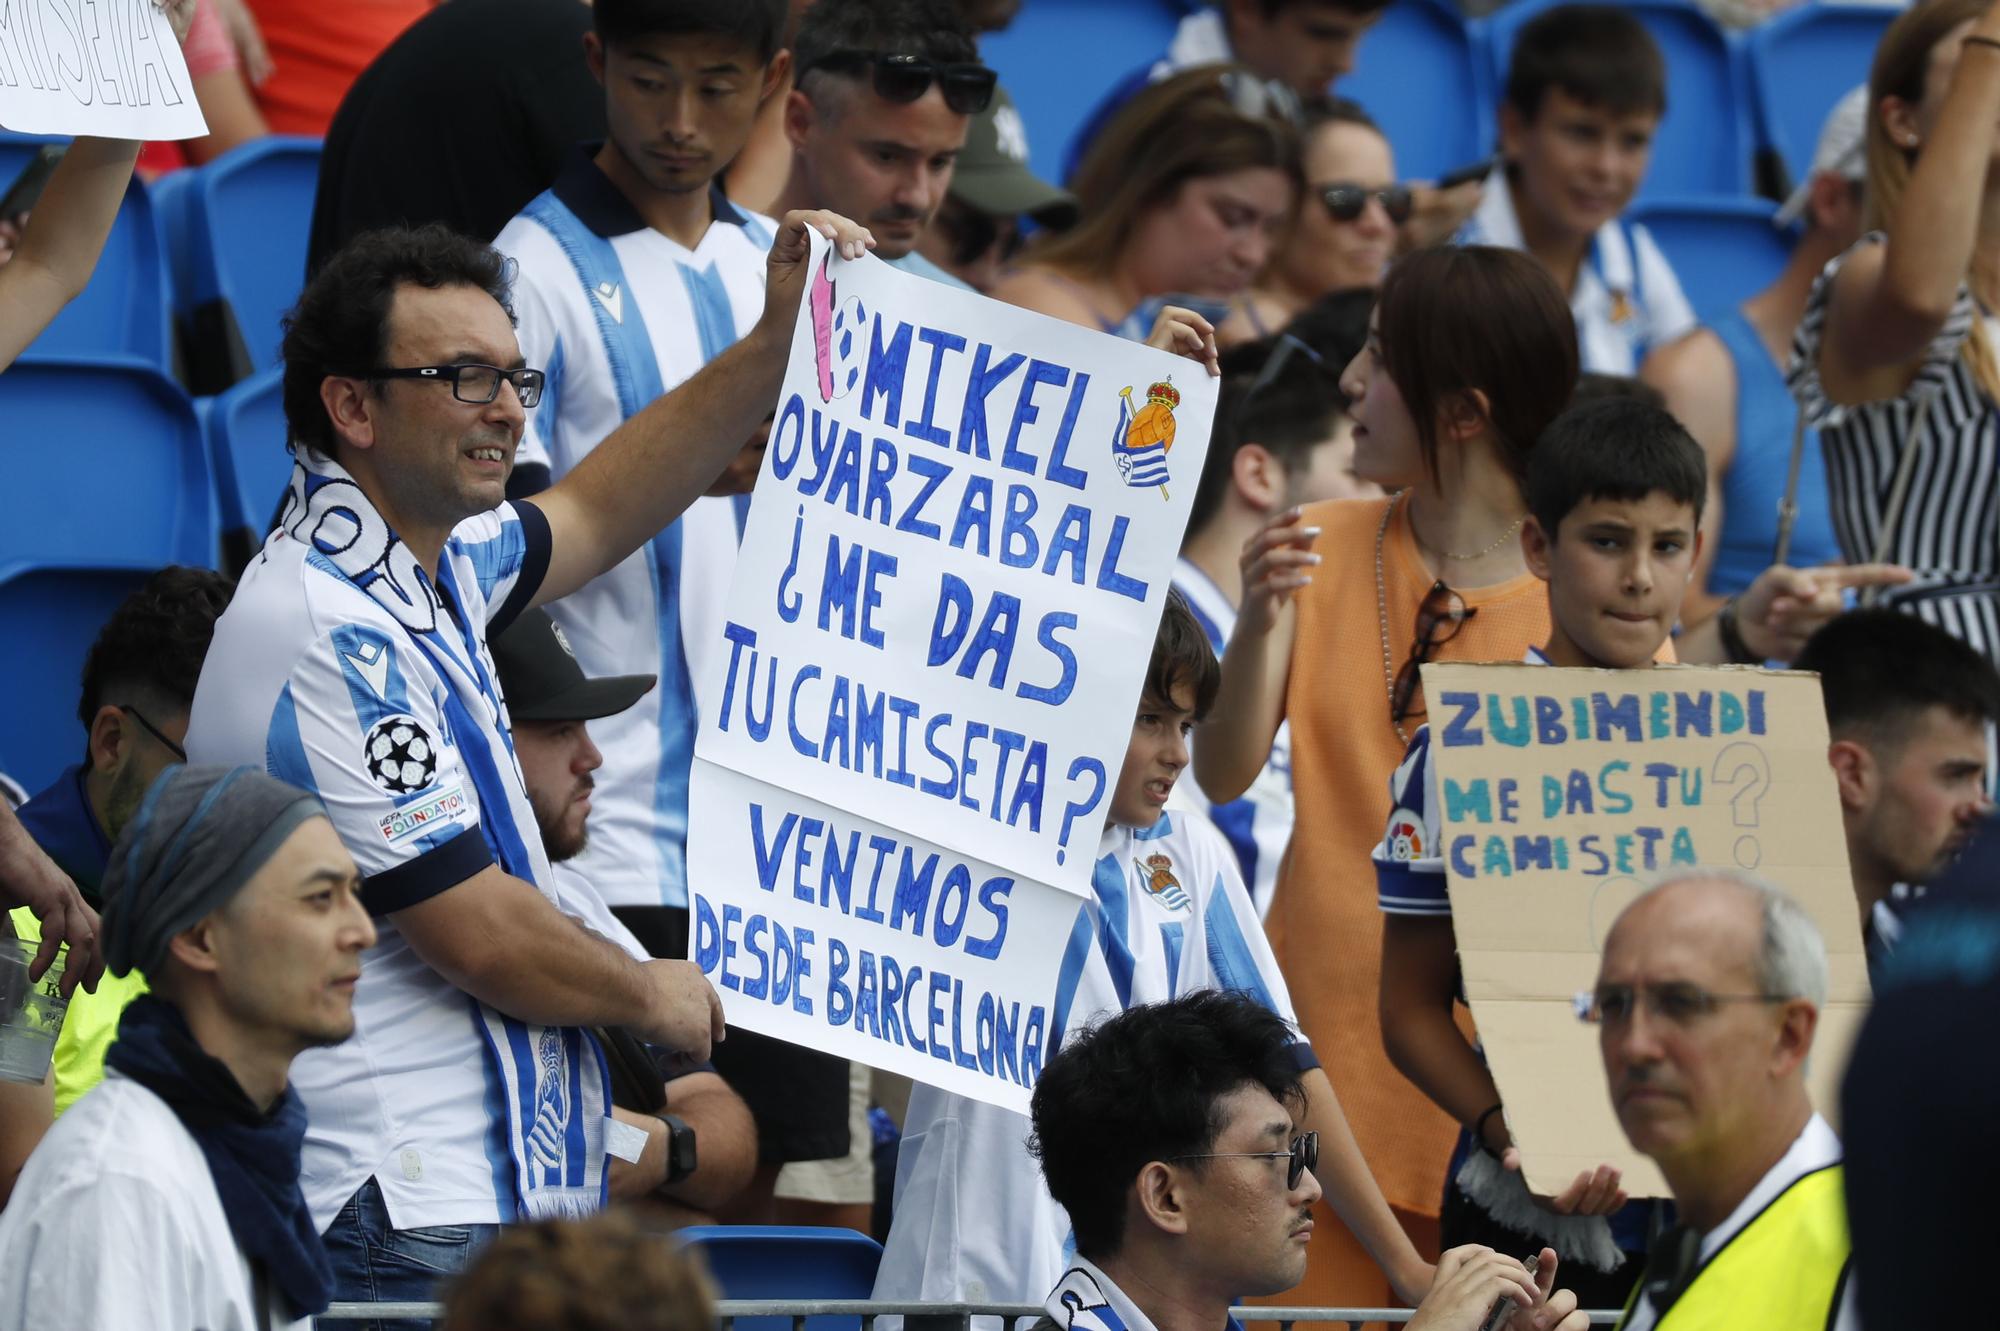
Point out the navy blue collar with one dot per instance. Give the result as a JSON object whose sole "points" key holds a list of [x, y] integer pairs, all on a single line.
{"points": [[61, 821], [600, 205]]}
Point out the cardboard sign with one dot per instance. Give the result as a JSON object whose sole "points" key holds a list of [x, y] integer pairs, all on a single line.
{"points": [[1563, 793], [946, 597], [105, 67]]}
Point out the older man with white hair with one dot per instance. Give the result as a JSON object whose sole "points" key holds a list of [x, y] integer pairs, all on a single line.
{"points": [[1707, 999]]}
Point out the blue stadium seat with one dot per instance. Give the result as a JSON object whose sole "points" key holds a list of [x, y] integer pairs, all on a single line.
{"points": [[1059, 57], [784, 1262], [248, 216], [108, 482], [246, 452], [126, 309], [1419, 45], [1704, 144], [1802, 62], [1723, 250]]}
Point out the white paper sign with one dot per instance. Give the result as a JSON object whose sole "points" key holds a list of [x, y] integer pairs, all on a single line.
{"points": [[105, 67], [946, 599]]}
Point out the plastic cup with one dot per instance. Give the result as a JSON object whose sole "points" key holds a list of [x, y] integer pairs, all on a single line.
{"points": [[31, 1015]]}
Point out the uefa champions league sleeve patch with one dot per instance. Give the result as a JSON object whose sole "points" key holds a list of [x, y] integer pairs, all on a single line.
{"points": [[401, 755]]}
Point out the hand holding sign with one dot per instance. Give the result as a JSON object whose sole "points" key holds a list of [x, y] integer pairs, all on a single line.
{"points": [[788, 269]]}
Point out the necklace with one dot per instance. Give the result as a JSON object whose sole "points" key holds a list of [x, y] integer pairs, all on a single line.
{"points": [[1498, 541], [1382, 614]]}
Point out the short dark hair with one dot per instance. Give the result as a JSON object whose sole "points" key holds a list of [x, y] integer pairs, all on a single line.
{"points": [[155, 641], [1335, 326], [1182, 654], [1318, 112], [1613, 448], [1437, 320], [1595, 386], [758, 24], [1879, 668], [933, 29], [1144, 1086], [341, 323], [1598, 54], [1273, 8], [1286, 405]]}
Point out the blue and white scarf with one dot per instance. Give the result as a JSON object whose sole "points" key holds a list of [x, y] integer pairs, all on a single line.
{"points": [[554, 1080], [1086, 1299]]}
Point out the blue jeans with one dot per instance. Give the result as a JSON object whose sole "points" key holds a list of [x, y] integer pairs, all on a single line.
{"points": [[373, 1263]]}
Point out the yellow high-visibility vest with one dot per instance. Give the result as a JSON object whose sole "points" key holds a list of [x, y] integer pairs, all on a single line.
{"points": [[1781, 1272]]}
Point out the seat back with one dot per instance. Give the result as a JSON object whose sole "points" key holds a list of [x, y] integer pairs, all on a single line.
{"points": [[788, 1262], [1704, 142], [1425, 44], [1802, 62], [246, 452], [126, 309], [1723, 250], [249, 215], [107, 482]]}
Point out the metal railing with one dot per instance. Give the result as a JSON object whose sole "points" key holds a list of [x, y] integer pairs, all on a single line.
{"points": [[922, 1316]]}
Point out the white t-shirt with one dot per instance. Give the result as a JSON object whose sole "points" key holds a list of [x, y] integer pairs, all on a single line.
{"points": [[116, 1224], [1258, 823], [1815, 1148], [308, 677], [1627, 300], [669, 311], [973, 1218]]}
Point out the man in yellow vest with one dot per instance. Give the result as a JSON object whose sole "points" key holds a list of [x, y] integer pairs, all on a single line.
{"points": [[1706, 1002]]}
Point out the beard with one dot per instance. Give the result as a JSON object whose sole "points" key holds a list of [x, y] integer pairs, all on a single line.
{"points": [[559, 843]]}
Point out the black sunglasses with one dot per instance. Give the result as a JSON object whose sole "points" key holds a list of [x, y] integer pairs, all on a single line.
{"points": [[1303, 1154], [967, 85], [1440, 617], [1345, 202], [474, 384]]}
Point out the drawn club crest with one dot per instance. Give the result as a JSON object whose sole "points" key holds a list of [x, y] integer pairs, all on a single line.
{"points": [[1142, 439]]}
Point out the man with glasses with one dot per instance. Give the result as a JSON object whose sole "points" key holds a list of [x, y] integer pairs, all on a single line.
{"points": [[1170, 1135], [883, 95], [138, 683], [1706, 1002], [353, 664]]}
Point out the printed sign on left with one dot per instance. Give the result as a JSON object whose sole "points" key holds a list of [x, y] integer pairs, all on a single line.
{"points": [[106, 67]]}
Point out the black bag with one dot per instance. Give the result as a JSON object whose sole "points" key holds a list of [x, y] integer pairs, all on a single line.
{"points": [[636, 1081]]}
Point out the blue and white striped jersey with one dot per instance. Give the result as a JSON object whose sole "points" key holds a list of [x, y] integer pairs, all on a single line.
{"points": [[617, 314], [350, 672], [1167, 915], [1258, 823], [1627, 300]]}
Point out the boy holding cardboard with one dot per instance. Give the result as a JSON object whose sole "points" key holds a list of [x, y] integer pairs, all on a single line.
{"points": [[1615, 491]]}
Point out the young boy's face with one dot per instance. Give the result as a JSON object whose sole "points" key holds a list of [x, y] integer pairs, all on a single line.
{"points": [[1579, 164], [1326, 470], [1155, 758], [1616, 572]]}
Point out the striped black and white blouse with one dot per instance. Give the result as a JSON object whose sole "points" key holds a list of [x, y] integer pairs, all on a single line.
{"points": [[1948, 526]]}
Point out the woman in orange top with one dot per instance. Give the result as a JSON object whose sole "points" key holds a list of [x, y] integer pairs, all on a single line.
{"points": [[1471, 355]]}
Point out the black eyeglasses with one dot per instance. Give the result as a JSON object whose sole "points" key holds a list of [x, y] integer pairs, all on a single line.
{"points": [[1283, 350], [153, 730], [1303, 1153], [1675, 1002], [967, 85], [1440, 617], [1346, 201], [474, 384]]}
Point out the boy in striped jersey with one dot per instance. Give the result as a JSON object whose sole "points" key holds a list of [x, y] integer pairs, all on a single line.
{"points": [[1167, 915], [1615, 491]]}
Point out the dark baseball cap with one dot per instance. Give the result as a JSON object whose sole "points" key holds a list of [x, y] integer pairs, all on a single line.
{"points": [[543, 682], [992, 170]]}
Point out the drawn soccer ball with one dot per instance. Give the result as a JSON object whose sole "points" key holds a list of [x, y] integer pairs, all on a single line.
{"points": [[402, 756], [850, 346]]}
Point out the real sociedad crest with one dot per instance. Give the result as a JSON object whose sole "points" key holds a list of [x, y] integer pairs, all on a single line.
{"points": [[1143, 438]]}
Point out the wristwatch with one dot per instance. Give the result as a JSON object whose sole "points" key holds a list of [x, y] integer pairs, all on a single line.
{"points": [[680, 1148]]}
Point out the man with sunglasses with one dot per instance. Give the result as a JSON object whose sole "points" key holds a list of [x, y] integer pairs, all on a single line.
{"points": [[1706, 1002], [1169, 1134], [880, 107], [353, 663], [138, 682]]}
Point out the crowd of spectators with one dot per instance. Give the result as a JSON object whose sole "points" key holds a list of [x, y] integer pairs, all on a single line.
{"points": [[370, 888]]}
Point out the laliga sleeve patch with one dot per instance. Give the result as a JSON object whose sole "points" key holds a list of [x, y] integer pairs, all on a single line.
{"points": [[1406, 836], [401, 755]]}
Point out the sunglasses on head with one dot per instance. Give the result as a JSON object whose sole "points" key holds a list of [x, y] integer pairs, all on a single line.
{"points": [[1440, 617], [967, 85], [1346, 201]]}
